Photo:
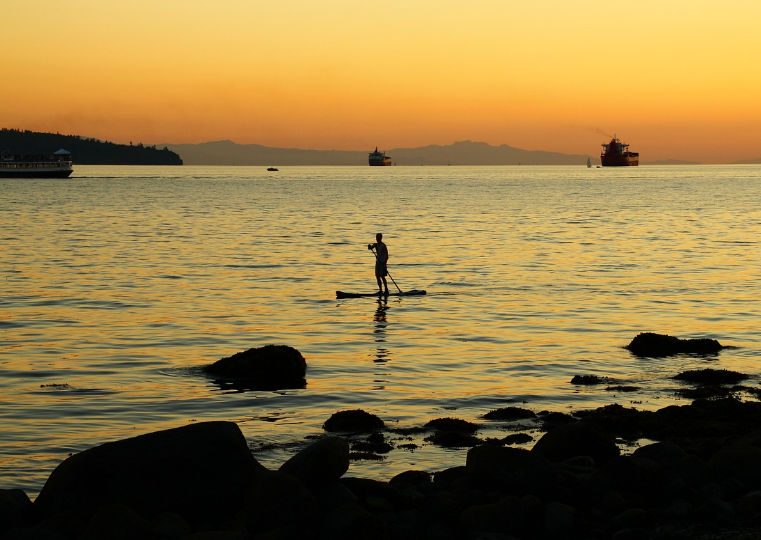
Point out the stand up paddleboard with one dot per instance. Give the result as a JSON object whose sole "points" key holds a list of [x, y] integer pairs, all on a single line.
{"points": [[341, 294]]}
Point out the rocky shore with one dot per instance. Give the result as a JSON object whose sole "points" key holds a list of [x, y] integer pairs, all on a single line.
{"points": [[702, 479], [695, 474]]}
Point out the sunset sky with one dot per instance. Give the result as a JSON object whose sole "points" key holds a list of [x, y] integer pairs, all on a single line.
{"points": [[675, 79]]}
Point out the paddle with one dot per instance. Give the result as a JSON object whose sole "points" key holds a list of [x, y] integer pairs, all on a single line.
{"points": [[387, 272]]}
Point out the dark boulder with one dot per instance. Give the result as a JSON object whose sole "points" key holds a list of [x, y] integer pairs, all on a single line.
{"points": [[658, 345], [588, 380], [270, 367], [15, 508], [321, 463], [738, 461], [711, 376], [510, 413], [572, 440], [356, 421], [200, 472]]}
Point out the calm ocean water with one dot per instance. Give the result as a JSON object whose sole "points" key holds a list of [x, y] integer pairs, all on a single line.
{"points": [[121, 281]]}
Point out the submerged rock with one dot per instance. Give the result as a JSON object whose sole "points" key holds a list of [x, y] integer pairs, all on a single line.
{"points": [[270, 367], [587, 380], [509, 413], [657, 345], [454, 425], [711, 376]]}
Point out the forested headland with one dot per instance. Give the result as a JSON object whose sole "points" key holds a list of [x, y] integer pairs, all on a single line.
{"points": [[85, 151]]}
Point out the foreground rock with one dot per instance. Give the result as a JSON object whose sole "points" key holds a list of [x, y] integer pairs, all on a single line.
{"points": [[271, 367], [199, 472], [701, 480], [658, 345], [353, 421]]}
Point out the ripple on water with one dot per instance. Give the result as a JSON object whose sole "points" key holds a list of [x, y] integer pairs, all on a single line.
{"points": [[533, 274]]}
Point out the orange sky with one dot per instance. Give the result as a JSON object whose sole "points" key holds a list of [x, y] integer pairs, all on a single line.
{"points": [[674, 79]]}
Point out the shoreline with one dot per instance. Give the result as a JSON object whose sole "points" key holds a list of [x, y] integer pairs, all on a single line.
{"points": [[701, 477]]}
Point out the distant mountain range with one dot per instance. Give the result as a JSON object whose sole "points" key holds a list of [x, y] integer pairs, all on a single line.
{"points": [[90, 151], [84, 151], [459, 153]]}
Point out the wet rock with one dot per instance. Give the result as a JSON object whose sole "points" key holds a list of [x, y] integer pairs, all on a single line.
{"points": [[623, 388], [551, 420], [448, 476], [178, 470], [410, 478], [711, 376], [270, 367], [320, 463], [658, 345], [509, 413], [455, 425], [375, 443], [587, 380], [660, 452], [353, 421], [517, 438], [453, 433], [451, 439], [573, 440]]}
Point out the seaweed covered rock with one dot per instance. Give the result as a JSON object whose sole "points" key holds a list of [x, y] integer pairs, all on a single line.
{"points": [[453, 425], [711, 376], [355, 420], [265, 368], [658, 345], [509, 413]]}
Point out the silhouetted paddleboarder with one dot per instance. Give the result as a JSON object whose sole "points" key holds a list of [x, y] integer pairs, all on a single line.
{"points": [[381, 262]]}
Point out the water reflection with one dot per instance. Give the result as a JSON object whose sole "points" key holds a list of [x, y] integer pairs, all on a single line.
{"points": [[381, 324]]}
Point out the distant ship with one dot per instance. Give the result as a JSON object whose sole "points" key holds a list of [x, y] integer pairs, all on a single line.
{"points": [[379, 159], [57, 165], [616, 154]]}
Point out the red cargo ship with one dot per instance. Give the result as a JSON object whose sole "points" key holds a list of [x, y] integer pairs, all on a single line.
{"points": [[616, 154]]}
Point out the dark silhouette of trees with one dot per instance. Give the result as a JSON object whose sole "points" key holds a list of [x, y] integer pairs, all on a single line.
{"points": [[85, 151]]}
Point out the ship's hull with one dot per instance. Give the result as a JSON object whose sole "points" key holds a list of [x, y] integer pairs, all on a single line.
{"points": [[629, 159], [35, 172], [385, 162]]}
